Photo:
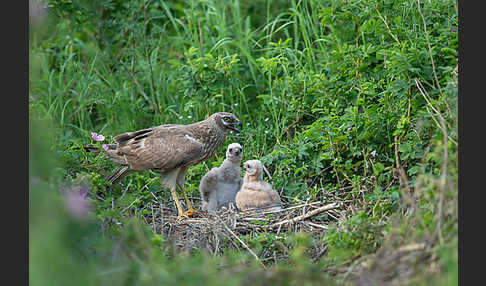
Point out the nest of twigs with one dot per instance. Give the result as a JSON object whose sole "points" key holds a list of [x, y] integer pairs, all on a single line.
{"points": [[230, 229], [227, 228]]}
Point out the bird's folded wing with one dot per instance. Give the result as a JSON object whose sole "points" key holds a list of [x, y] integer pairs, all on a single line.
{"points": [[162, 148]]}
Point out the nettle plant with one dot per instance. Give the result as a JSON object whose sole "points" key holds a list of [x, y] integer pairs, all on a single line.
{"points": [[367, 95]]}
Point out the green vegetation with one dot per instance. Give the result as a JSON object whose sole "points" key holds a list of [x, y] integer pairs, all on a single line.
{"points": [[356, 99]]}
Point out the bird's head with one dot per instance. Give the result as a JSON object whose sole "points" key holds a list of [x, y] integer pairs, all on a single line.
{"points": [[227, 121], [234, 152], [254, 169]]}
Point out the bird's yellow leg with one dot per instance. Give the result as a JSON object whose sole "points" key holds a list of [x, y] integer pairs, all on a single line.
{"points": [[181, 175], [190, 210], [180, 213]]}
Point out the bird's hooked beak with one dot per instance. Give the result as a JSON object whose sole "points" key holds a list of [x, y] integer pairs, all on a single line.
{"points": [[233, 127]]}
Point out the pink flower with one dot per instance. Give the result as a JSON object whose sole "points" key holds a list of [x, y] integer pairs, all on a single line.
{"points": [[76, 201], [97, 137], [350, 128], [105, 146], [76, 205], [453, 31]]}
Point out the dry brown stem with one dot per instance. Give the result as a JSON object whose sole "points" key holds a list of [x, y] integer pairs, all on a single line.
{"points": [[307, 215]]}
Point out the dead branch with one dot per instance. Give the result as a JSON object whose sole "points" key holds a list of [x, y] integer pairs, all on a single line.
{"points": [[431, 57], [445, 157], [307, 215]]}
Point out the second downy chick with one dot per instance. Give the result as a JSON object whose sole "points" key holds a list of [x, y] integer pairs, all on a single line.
{"points": [[254, 192]]}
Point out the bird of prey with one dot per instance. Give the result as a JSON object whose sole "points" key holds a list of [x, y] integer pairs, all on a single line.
{"points": [[219, 186], [254, 192], [170, 150]]}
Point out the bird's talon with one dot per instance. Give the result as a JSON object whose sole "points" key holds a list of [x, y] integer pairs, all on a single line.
{"points": [[188, 214], [181, 217], [191, 212]]}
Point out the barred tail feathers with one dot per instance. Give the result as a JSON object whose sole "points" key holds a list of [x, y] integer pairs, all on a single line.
{"points": [[119, 174]]}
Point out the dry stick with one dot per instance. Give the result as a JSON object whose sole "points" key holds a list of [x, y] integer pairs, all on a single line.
{"points": [[307, 215], [320, 254], [153, 218], [409, 101], [200, 35], [157, 200], [402, 176], [305, 205], [161, 215], [431, 57], [438, 125], [129, 205], [278, 230], [216, 238], [444, 158], [126, 189], [242, 243], [318, 225], [254, 218], [266, 171], [296, 199], [289, 208], [146, 185], [333, 216], [386, 24]]}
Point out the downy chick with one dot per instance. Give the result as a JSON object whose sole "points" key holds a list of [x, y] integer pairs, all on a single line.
{"points": [[219, 186], [254, 192]]}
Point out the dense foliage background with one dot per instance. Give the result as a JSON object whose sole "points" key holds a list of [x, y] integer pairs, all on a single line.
{"points": [[351, 97]]}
